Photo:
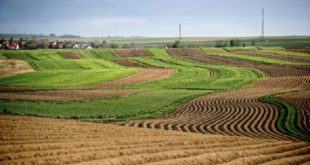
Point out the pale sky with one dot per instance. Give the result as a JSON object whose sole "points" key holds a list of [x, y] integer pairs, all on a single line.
{"points": [[155, 18]]}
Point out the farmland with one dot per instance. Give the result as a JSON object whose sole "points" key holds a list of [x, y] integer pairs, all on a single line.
{"points": [[157, 106]]}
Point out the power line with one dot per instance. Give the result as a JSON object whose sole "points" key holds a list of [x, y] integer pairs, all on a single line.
{"points": [[263, 26]]}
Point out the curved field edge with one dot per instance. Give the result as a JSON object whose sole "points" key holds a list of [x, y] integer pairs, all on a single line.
{"points": [[31, 140], [65, 78], [284, 52], [194, 75], [253, 58], [289, 119], [151, 104]]}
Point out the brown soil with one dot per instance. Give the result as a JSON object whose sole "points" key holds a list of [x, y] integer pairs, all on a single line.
{"points": [[132, 52], [147, 75], [85, 92], [129, 63], [300, 50], [65, 95], [235, 113], [70, 55], [274, 56], [270, 70], [10, 67], [31, 140]]}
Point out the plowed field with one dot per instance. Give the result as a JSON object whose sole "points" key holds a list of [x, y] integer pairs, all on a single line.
{"points": [[31, 140]]}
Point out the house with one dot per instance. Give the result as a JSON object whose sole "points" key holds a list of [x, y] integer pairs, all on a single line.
{"points": [[60, 45], [57, 45], [81, 45], [13, 45], [76, 46], [53, 44]]}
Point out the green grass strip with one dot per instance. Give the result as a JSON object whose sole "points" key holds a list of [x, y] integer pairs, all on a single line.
{"points": [[289, 119], [255, 59]]}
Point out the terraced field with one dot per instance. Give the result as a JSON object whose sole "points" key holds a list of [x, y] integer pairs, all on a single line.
{"points": [[204, 106], [239, 112]]}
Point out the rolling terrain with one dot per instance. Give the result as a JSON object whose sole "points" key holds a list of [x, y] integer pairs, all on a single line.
{"points": [[163, 106]]}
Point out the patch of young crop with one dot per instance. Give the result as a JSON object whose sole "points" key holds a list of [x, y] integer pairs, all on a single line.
{"points": [[161, 53], [64, 78], [139, 106], [253, 58]]}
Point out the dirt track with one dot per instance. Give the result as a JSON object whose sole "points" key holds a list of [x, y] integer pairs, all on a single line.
{"points": [[31, 140]]}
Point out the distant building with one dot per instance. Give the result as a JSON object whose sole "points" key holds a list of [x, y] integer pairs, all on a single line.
{"points": [[76, 46], [13, 45], [81, 46], [53, 44], [60, 45], [57, 45]]}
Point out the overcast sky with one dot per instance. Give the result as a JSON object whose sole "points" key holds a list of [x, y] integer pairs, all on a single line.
{"points": [[155, 18]]}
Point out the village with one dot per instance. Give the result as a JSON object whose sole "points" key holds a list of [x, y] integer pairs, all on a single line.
{"points": [[23, 44]]}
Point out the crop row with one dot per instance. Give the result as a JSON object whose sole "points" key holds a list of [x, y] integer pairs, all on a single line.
{"points": [[30, 140]]}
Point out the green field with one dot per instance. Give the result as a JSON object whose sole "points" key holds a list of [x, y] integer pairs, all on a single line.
{"points": [[158, 98], [140, 106], [65, 78], [190, 80]]}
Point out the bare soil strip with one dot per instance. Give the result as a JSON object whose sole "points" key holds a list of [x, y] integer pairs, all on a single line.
{"points": [[132, 52], [10, 67], [273, 56], [301, 50], [31, 140], [147, 75], [70, 55], [65, 95], [270, 70], [129, 63], [90, 92]]}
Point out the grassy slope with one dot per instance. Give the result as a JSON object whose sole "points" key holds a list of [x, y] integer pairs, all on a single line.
{"points": [[61, 78], [55, 71]]}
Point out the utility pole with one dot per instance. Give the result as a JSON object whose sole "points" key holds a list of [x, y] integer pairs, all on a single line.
{"points": [[263, 30], [180, 33]]}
